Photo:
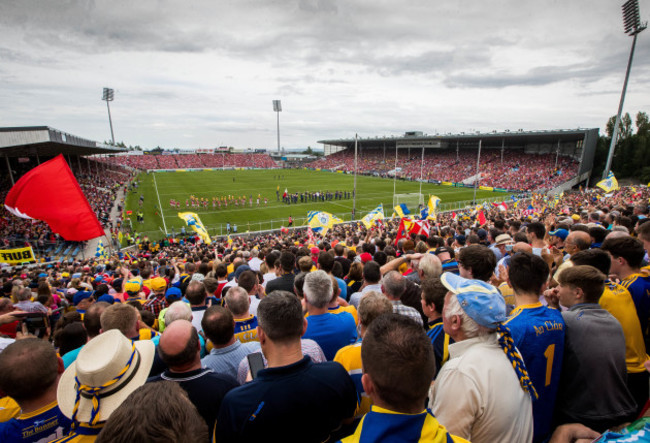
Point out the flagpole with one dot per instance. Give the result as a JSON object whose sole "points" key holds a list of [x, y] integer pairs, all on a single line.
{"points": [[421, 171], [478, 160], [395, 174], [354, 192]]}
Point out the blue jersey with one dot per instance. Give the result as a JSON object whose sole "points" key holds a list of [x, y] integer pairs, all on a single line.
{"points": [[246, 329], [538, 333], [639, 287], [440, 342], [45, 424]]}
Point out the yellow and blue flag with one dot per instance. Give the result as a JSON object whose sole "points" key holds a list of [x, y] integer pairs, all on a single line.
{"points": [[401, 210], [609, 184], [321, 221], [429, 212], [101, 252], [194, 222], [372, 216]]}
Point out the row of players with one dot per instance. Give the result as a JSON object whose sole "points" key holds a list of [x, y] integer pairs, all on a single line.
{"points": [[218, 202]]}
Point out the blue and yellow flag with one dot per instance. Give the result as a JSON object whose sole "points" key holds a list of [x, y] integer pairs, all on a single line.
{"points": [[609, 184], [320, 221], [194, 222], [429, 212], [101, 252], [374, 215], [401, 210]]}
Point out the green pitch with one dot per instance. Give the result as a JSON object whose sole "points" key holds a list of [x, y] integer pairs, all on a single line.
{"points": [[158, 188]]}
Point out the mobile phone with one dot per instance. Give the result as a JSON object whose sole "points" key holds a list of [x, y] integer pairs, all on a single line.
{"points": [[255, 362]]}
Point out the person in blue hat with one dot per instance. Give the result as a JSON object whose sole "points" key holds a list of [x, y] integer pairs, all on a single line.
{"points": [[483, 392]]}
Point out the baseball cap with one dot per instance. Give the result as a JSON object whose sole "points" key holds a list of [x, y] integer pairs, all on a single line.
{"points": [[365, 257], [134, 285], [576, 217], [241, 269], [107, 298], [158, 284], [561, 233], [315, 251], [173, 292], [80, 296], [482, 234], [65, 274], [481, 301]]}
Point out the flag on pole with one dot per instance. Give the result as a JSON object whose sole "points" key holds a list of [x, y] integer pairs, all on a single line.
{"points": [[419, 227], [310, 235], [454, 216], [481, 218], [528, 211], [401, 210], [194, 222], [609, 184], [101, 252], [320, 221], [50, 193], [403, 230], [373, 216], [429, 212]]}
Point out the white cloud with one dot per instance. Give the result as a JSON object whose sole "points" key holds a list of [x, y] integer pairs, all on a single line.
{"points": [[203, 73]]}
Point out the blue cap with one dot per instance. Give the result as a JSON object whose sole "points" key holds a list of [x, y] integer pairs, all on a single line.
{"points": [[80, 296], [240, 270], [561, 233], [481, 301], [173, 292], [107, 298], [42, 274]]}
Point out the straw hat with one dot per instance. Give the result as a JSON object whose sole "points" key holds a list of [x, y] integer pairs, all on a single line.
{"points": [[100, 369]]}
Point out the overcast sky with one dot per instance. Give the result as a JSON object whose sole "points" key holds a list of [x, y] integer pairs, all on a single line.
{"points": [[203, 73]]}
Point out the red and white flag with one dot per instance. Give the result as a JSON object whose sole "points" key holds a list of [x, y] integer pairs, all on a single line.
{"points": [[50, 193]]}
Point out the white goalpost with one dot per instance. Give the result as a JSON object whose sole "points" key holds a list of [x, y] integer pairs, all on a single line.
{"points": [[412, 200]]}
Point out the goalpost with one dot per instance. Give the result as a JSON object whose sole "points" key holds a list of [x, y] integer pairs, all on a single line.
{"points": [[412, 200]]}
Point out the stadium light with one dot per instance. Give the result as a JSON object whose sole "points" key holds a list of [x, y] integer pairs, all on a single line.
{"points": [[108, 96], [277, 108], [632, 26], [478, 162]]}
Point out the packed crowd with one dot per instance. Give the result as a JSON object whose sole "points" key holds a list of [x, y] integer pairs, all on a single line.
{"points": [[188, 161], [517, 171], [99, 187], [529, 327]]}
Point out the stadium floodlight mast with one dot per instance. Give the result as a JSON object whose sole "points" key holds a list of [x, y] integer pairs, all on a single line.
{"points": [[478, 162], [277, 108], [632, 26], [108, 96]]}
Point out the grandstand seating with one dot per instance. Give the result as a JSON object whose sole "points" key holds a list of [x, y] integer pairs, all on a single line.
{"points": [[517, 171], [188, 161]]}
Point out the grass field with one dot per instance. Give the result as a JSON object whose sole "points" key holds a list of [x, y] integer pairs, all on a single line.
{"points": [[180, 185]]}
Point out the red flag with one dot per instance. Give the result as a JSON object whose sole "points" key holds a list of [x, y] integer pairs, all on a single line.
{"points": [[50, 193], [481, 218], [419, 227], [403, 230]]}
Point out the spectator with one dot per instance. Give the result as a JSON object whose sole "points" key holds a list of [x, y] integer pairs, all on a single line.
{"points": [[594, 358], [237, 301], [371, 279], [196, 295], [477, 395], [433, 300], [157, 301], [393, 286], [285, 281], [317, 397], [29, 373], [179, 349], [227, 350]]}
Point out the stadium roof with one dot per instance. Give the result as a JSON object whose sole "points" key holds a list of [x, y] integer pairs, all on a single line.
{"points": [[518, 138], [44, 141]]}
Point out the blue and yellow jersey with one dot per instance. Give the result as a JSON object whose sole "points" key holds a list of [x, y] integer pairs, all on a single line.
{"points": [[82, 434], [384, 425], [8, 409], [440, 342], [350, 358], [639, 287], [44, 424], [618, 302], [538, 333], [146, 334], [340, 309], [246, 329]]}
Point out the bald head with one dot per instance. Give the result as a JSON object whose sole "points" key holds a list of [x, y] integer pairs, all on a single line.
{"points": [[179, 346], [617, 234], [522, 247], [578, 239]]}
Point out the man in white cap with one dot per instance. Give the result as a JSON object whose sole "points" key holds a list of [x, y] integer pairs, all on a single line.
{"points": [[106, 371], [478, 395]]}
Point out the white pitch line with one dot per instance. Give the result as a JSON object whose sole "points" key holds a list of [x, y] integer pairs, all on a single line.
{"points": [[162, 214]]}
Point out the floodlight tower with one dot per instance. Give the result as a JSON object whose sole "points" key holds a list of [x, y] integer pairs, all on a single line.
{"points": [[632, 26], [277, 108], [107, 96]]}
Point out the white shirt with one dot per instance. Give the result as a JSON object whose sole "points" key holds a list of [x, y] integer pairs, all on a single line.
{"points": [[477, 394], [356, 297], [252, 309], [268, 277], [254, 263]]}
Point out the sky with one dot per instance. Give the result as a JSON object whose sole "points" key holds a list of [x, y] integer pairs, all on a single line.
{"points": [[203, 73]]}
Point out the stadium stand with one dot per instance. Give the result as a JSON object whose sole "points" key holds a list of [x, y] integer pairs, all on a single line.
{"points": [[194, 160]]}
